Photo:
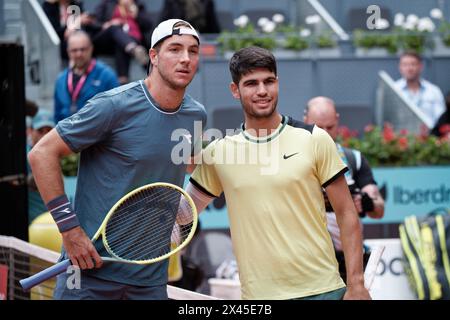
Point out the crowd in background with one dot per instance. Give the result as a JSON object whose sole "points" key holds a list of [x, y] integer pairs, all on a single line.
{"points": [[122, 28]]}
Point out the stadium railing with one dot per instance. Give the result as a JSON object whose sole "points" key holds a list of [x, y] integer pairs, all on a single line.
{"points": [[42, 55]]}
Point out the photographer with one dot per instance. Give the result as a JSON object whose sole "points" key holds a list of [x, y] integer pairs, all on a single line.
{"points": [[366, 196]]}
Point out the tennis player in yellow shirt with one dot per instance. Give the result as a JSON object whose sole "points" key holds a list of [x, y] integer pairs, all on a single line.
{"points": [[272, 174]]}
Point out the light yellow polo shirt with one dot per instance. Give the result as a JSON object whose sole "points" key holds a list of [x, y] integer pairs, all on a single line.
{"points": [[273, 190]]}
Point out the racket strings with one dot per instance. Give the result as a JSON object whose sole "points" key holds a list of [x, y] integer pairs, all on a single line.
{"points": [[134, 233], [123, 214], [136, 252], [140, 248], [143, 231], [126, 206], [141, 243], [118, 221], [176, 235], [120, 225]]}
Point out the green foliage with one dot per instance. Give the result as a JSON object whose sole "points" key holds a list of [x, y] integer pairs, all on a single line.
{"points": [[444, 31], [295, 42], [414, 40], [69, 165], [284, 36], [245, 37], [325, 40], [398, 39], [385, 147], [368, 40]]}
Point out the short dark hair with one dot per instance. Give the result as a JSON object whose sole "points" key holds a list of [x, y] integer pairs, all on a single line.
{"points": [[411, 53], [248, 59]]}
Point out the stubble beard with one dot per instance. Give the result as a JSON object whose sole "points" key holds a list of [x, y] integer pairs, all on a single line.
{"points": [[173, 84], [251, 114]]}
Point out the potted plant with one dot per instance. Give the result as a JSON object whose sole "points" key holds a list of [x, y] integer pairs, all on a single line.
{"points": [[409, 33], [386, 147], [444, 31], [326, 44], [247, 35], [386, 43], [272, 34], [443, 38]]}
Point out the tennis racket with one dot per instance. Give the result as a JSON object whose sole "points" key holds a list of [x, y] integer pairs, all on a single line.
{"points": [[147, 225]]}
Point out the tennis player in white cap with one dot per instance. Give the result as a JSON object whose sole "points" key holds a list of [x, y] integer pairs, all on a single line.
{"points": [[124, 136]]}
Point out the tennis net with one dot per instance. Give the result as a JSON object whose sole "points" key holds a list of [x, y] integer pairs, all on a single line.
{"points": [[20, 259]]}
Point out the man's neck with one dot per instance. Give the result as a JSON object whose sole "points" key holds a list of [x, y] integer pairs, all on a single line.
{"points": [[413, 85], [80, 70], [167, 98], [263, 126]]}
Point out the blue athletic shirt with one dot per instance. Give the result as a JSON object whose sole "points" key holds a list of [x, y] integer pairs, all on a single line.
{"points": [[126, 141]]}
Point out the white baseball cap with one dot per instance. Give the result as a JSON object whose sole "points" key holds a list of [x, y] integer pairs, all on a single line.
{"points": [[169, 28]]}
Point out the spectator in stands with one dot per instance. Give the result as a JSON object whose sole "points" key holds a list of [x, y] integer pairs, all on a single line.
{"points": [[41, 124], [321, 111], [442, 127], [83, 79], [58, 13], [425, 95], [200, 13], [124, 24]]}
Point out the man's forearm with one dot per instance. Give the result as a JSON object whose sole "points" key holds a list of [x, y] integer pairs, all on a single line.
{"points": [[351, 238], [46, 167]]}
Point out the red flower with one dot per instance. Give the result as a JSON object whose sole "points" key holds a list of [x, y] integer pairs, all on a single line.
{"points": [[404, 132], [388, 132], [403, 143], [344, 132], [423, 132], [444, 129], [354, 133]]}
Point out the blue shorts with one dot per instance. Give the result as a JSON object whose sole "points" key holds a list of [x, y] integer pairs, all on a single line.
{"points": [[91, 288]]}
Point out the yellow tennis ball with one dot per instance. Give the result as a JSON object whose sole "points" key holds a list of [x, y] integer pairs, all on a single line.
{"points": [[44, 232]]}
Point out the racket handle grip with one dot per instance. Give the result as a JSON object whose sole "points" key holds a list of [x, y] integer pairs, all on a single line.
{"points": [[45, 274]]}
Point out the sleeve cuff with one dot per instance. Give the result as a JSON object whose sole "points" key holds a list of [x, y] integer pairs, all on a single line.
{"points": [[337, 175], [201, 188]]}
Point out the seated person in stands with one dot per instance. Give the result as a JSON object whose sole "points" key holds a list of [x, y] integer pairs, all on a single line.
{"points": [[425, 95], [200, 13], [58, 13], [83, 79], [442, 127], [124, 25]]}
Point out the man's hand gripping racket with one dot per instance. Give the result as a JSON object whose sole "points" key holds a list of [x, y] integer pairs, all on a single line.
{"points": [[147, 225]]}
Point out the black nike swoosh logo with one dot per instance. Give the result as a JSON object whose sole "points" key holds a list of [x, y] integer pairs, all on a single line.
{"points": [[291, 155]]}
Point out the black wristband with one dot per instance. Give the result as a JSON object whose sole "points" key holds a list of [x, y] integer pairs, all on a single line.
{"points": [[63, 214]]}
